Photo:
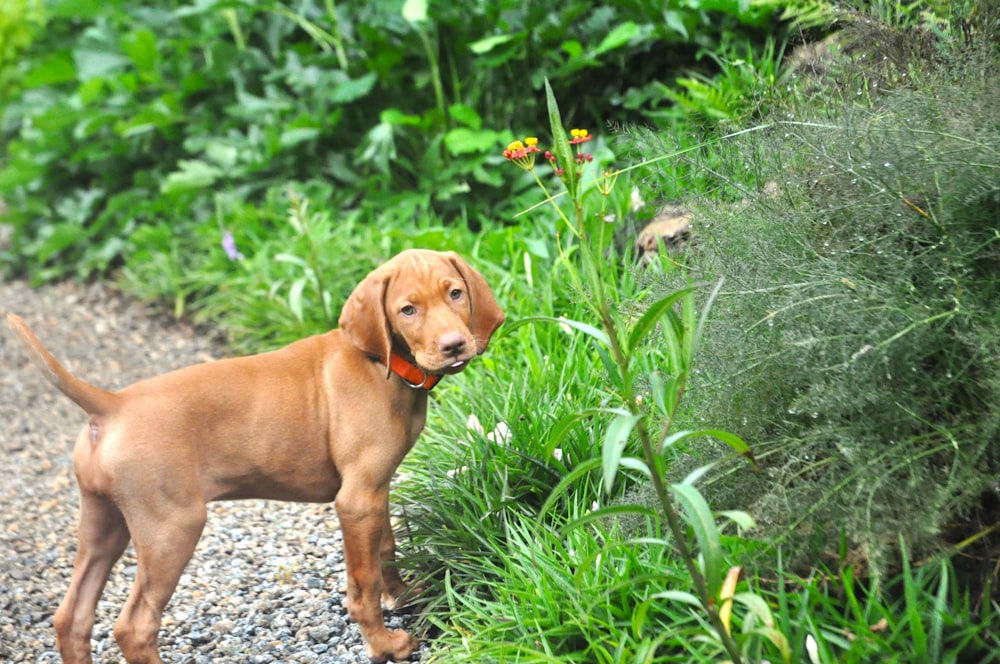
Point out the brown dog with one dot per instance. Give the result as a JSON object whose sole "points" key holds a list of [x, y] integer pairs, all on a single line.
{"points": [[326, 418]]}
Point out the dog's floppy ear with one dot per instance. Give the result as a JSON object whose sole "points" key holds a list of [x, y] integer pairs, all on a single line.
{"points": [[487, 315], [363, 317]]}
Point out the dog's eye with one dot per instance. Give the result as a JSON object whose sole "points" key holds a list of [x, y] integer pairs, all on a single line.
{"points": [[408, 310], [455, 294]]}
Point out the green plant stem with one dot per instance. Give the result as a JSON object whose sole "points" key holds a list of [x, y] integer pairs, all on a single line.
{"points": [[338, 41], [592, 270]]}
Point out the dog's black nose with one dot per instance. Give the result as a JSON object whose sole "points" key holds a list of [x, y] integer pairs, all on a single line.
{"points": [[452, 343]]}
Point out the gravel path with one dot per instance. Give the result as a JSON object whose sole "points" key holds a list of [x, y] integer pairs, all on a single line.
{"points": [[265, 584]]}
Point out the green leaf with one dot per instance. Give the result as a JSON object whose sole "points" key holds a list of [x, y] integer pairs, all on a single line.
{"points": [[615, 439], [565, 484], [757, 606], [731, 439], [487, 44], [223, 154], [607, 513], [295, 299], [140, 46], [702, 522], [589, 330], [634, 463], [639, 615], [51, 69], [466, 115], [347, 91], [618, 37], [911, 593], [560, 144], [291, 137], [292, 259], [743, 520], [394, 116], [61, 236], [675, 21], [415, 11], [572, 48], [565, 424], [678, 596], [193, 174], [93, 63], [653, 314], [469, 141]]}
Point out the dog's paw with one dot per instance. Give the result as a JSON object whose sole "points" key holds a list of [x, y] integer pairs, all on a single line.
{"points": [[395, 645]]}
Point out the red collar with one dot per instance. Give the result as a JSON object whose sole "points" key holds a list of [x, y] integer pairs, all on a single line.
{"points": [[411, 374]]}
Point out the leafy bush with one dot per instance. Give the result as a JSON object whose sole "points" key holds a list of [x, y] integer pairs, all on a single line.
{"points": [[856, 335], [19, 20], [133, 115]]}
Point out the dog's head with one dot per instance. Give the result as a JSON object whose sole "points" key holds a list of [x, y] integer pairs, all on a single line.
{"points": [[428, 306]]}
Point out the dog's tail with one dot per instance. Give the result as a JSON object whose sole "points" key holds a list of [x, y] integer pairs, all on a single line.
{"points": [[93, 400]]}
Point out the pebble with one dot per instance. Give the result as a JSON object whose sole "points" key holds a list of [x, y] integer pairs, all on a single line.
{"points": [[264, 584]]}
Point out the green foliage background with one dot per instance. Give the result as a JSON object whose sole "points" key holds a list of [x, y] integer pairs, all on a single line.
{"points": [[847, 194]]}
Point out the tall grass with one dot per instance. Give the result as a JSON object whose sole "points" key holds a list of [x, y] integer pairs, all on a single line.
{"points": [[852, 343]]}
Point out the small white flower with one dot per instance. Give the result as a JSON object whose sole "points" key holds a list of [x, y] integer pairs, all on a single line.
{"points": [[812, 649], [501, 434], [473, 424], [558, 454], [635, 202], [456, 471]]}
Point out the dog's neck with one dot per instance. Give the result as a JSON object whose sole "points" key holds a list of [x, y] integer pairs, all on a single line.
{"points": [[411, 374]]}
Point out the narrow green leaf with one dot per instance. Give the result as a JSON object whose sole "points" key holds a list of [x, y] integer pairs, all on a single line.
{"points": [[615, 438], [560, 143], [653, 314], [757, 606], [293, 259], [565, 483], [726, 437], [295, 299], [565, 424], [678, 596], [589, 330], [634, 463], [937, 615], [606, 513], [742, 519], [707, 308], [700, 518], [911, 592], [489, 43]]}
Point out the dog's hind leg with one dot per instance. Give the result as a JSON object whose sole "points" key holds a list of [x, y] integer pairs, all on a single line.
{"points": [[165, 540], [103, 536]]}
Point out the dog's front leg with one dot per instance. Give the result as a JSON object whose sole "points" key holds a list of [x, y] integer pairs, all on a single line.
{"points": [[363, 520], [393, 586]]}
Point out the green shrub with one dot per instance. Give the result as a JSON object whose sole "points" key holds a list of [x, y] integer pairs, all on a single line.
{"points": [[19, 22], [136, 116], [855, 341]]}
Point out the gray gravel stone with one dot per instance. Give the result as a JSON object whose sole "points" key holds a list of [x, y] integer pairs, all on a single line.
{"points": [[264, 584]]}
